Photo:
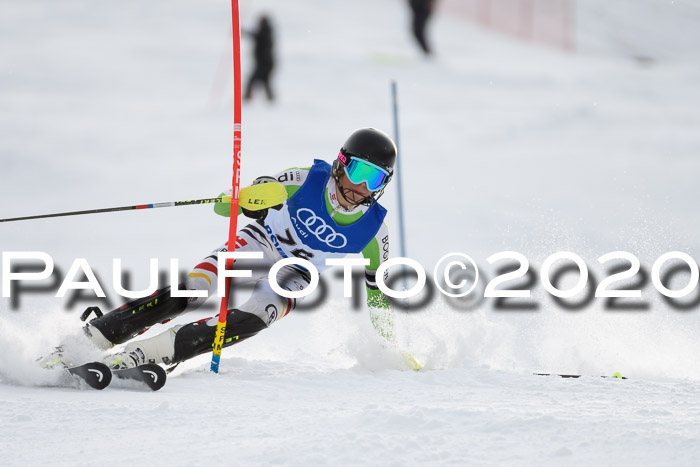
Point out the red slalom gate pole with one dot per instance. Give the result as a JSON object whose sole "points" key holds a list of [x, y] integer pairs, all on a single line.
{"points": [[233, 224]]}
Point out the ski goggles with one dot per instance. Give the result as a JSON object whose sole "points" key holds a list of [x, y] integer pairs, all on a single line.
{"points": [[359, 171]]}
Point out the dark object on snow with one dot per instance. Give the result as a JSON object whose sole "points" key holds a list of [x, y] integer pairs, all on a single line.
{"points": [[264, 58], [422, 9]]}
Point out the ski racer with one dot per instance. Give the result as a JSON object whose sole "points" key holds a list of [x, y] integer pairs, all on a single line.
{"points": [[323, 211]]}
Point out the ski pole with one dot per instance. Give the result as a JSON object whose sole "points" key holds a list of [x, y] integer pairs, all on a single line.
{"points": [[222, 199]]}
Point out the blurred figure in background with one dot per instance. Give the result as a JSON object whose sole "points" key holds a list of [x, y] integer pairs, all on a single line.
{"points": [[264, 58], [422, 9]]}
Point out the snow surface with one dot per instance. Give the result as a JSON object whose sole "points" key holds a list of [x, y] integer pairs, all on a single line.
{"points": [[505, 146]]}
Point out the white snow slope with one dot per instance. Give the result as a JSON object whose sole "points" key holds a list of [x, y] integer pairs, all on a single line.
{"points": [[505, 146]]}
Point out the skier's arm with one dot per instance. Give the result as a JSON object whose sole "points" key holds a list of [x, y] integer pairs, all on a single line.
{"points": [[292, 179], [377, 251]]}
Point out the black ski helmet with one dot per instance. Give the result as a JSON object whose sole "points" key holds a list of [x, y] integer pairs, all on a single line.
{"points": [[371, 145]]}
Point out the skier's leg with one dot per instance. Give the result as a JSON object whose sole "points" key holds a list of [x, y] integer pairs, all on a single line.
{"points": [[136, 317], [253, 80], [268, 89], [121, 324], [420, 20], [184, 342], [248, 94], [263, 308], [265, 75]]}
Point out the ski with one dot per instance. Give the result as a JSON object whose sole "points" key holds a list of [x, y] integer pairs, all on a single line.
{"points": [[97, 375], [616, 375], [150, 374]]}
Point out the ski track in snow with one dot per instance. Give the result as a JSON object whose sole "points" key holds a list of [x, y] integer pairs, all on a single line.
{"points": [[277, 412], [505, 146]]}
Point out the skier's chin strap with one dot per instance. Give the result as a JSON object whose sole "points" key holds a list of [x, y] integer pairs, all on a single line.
{"points": [[369, 201], [366, 201]]}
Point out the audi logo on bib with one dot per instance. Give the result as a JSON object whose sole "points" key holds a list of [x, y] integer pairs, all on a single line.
{"points": [[319, 229]]}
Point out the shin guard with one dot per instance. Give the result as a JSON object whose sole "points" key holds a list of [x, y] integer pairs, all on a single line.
{"points": [[135, 317], [198, 338]]}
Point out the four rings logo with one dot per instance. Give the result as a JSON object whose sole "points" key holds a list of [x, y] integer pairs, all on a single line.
{"points": [[320, 229]]}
